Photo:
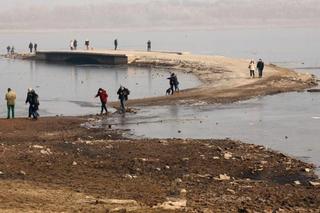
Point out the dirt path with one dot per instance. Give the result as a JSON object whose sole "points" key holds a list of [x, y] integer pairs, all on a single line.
{"points": [[54, 164], [224, 79]]}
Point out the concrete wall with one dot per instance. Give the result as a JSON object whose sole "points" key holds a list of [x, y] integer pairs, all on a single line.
{"points": [[82, 57]]}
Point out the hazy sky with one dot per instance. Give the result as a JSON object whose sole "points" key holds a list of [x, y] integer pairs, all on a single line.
{"points": [[163, 14]]}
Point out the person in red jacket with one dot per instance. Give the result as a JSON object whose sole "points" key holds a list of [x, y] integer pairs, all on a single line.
{"points": [[103, 98]]}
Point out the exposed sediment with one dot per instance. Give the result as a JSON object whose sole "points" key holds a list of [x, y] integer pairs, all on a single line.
{"points": [[55, 165]]}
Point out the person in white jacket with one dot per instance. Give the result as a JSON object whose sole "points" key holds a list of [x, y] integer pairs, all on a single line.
{"points": [[252, 68]]}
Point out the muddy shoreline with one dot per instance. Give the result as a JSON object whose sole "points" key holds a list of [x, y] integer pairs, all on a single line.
{"points": [[57, 164]]}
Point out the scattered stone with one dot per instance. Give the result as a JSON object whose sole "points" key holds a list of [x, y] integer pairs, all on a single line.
{"points": [[185, 159], [231, 191], [23, 172], [216, 157], [128, 176], [167, 167], [263, 162], [227, 155], [314, 183], [158, 169], [74, 163], [1, 173], [37, 146], [222, 177], [297, 182], [46, 152], [172, 204], [178, 180], [307, 170]]}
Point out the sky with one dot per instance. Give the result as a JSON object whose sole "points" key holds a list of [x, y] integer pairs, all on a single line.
{"points": [[157, 14]]}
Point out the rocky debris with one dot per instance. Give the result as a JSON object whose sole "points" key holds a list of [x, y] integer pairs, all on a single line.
{"points": [[172, 204], [223, 177], [38, 147], [312, 183], [46, 151], [227, 155]]}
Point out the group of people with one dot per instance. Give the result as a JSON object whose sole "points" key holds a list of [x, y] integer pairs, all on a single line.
{"points": [[174, 84], [74, 44], [32, 99], [122, 93], [10, 50], [252, 67], [33, 47]]}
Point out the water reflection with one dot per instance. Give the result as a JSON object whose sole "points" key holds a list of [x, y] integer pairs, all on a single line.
{"points": [[64, 88]]}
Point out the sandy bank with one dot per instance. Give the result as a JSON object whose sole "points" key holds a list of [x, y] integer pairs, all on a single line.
{"points": [[224, 79]]}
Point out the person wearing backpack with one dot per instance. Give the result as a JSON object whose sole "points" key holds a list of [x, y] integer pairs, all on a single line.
{"points": [[33, 100], [123, 94], [102, 94]]}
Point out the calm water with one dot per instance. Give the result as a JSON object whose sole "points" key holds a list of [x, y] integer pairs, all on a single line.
{"points": [[267, 120], [70, 90]]}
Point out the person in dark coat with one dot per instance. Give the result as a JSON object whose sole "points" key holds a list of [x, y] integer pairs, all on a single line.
{"points": [[102, 94], [12, 50], [149, 46], [87, 43], [123, 94], [35, 47], [115, 44], [175, 82], [33, 100], [30, 47], [75, 44], [172, 81], [8, 49], [29, 100], [260, 67]]}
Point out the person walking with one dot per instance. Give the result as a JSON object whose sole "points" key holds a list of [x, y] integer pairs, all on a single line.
{"points": [[260, 67], [30, 47], [175, 83], [172, 80], [29, 100], [115, 44], [34, 104], [102, 94], [251, 68], [8, 50], [71, 45], [75, 44], [87, 43], [11, 100], [35, 47], [149, 46], [12, 50], [123, 94]]}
